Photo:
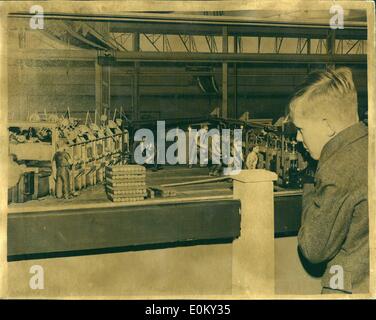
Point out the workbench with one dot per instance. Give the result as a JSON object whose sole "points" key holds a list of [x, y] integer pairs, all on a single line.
{"points": [[90, 223]]}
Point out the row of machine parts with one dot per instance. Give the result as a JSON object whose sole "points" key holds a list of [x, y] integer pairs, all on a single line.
{"points": [[278, 153], [90, 148], [57, 141]]}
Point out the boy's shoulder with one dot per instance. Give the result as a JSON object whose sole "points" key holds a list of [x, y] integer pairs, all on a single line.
{"points": [[349, 163]]}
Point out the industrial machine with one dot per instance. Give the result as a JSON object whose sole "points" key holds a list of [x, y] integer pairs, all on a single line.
{"points": [[279, 153], [90, 147], [278, 150]]}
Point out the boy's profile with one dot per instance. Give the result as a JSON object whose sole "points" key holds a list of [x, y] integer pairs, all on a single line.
{"points": [[334, 227]]}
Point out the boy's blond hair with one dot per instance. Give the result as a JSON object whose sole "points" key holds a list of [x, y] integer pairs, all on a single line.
{"points": [[329, 94]]}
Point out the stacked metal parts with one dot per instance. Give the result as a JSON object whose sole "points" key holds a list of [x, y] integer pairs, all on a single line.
{"points": [[125, 183]]}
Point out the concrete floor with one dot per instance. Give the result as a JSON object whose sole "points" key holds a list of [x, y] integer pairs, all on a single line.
{"points": [[196, 270], [200, 271], [290, 276]]}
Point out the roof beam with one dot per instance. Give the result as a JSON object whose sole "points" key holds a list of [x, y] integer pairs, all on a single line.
{"points": [[240, 57], [122, 56], [252, 30]]}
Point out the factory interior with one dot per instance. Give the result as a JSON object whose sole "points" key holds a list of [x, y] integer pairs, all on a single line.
{"points": [[79, 89]]}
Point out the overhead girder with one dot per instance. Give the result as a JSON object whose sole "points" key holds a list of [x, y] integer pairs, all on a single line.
{"points": [[247, 58], [203, 27], [240, 57], [252, 30], [80, 34]]}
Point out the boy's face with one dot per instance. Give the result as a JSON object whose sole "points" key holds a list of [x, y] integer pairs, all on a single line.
{"points": [[313, 133]]}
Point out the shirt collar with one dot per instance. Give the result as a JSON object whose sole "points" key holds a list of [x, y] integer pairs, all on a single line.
{"points": [[343, 139]]}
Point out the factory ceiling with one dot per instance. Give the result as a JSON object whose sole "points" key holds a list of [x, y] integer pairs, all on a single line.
{"points": [[159, 34], [113, 32]]}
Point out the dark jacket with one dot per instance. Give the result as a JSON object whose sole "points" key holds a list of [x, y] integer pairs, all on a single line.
{"points": [[335, 212], [62, 159]]}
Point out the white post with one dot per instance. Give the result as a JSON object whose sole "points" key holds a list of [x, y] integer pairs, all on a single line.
{"points": [[253, 251]]}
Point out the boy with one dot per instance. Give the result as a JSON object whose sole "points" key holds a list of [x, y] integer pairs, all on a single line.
{"points": [[334, 227]]}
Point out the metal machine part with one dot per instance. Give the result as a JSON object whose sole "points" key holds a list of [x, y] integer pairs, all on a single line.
{"points": [[278, 153]]}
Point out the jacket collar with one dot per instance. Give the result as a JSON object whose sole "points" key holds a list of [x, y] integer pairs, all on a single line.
{"points": [[342, 139]]}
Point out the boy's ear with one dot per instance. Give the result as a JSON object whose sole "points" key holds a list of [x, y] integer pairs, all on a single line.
{"points": [[329, 128]]}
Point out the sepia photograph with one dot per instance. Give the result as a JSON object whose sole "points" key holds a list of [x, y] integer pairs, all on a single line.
{"points": [[187, 150]]}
